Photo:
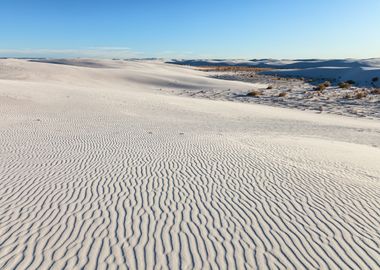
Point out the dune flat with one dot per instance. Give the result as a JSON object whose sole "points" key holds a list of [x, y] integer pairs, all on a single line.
{"points": [[99, 169]]}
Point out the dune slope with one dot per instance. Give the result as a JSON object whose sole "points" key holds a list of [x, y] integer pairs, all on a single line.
{"points": [[98, 169]]}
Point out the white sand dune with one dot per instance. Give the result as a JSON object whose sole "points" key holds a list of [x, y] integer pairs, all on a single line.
{"points": [[98, 169], [362, 71]]}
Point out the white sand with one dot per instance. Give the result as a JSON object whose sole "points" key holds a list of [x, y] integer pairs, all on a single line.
{"points": [[100, 169], [298, 79], [299, 94], [362, 71]]}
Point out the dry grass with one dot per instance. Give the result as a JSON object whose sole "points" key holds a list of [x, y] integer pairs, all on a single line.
{"points": [[254, 93], [375, 91], [361, 94], [327, 83], [344, 85], [231, 68], [322, 86]]}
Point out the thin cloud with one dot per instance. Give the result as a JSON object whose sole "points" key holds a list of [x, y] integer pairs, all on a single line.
{"points": [[91, 52], [110, 48], [179, 54]]}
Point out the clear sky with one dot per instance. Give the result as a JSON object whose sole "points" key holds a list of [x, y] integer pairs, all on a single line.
{"points": [[191, 29]]}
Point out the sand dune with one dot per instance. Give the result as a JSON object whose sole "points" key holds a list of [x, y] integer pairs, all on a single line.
{"points": [[99, 169], [297, 84], [362, 71]]}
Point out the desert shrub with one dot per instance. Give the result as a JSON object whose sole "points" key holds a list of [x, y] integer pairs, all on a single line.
{"points": [[254, 93], [361, 94], [327, 83], [232, 68], [375, 79], [283, 94], [344, 85], [320, 87], [375, 91]]}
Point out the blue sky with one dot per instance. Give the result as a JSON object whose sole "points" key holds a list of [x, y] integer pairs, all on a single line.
{"points": [[191, 29]]}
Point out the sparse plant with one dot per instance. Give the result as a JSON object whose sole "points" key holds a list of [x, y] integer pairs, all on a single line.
{"points": [[320, 87], [254, 93], [375, 91], [232, 68], [361, 94], [327, 83], [344, 85]]}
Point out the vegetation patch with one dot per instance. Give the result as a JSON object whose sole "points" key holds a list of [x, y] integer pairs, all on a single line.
{"points": [[254, 93], [232, 68], [344, 85], [375, 91], [361, 94]]}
